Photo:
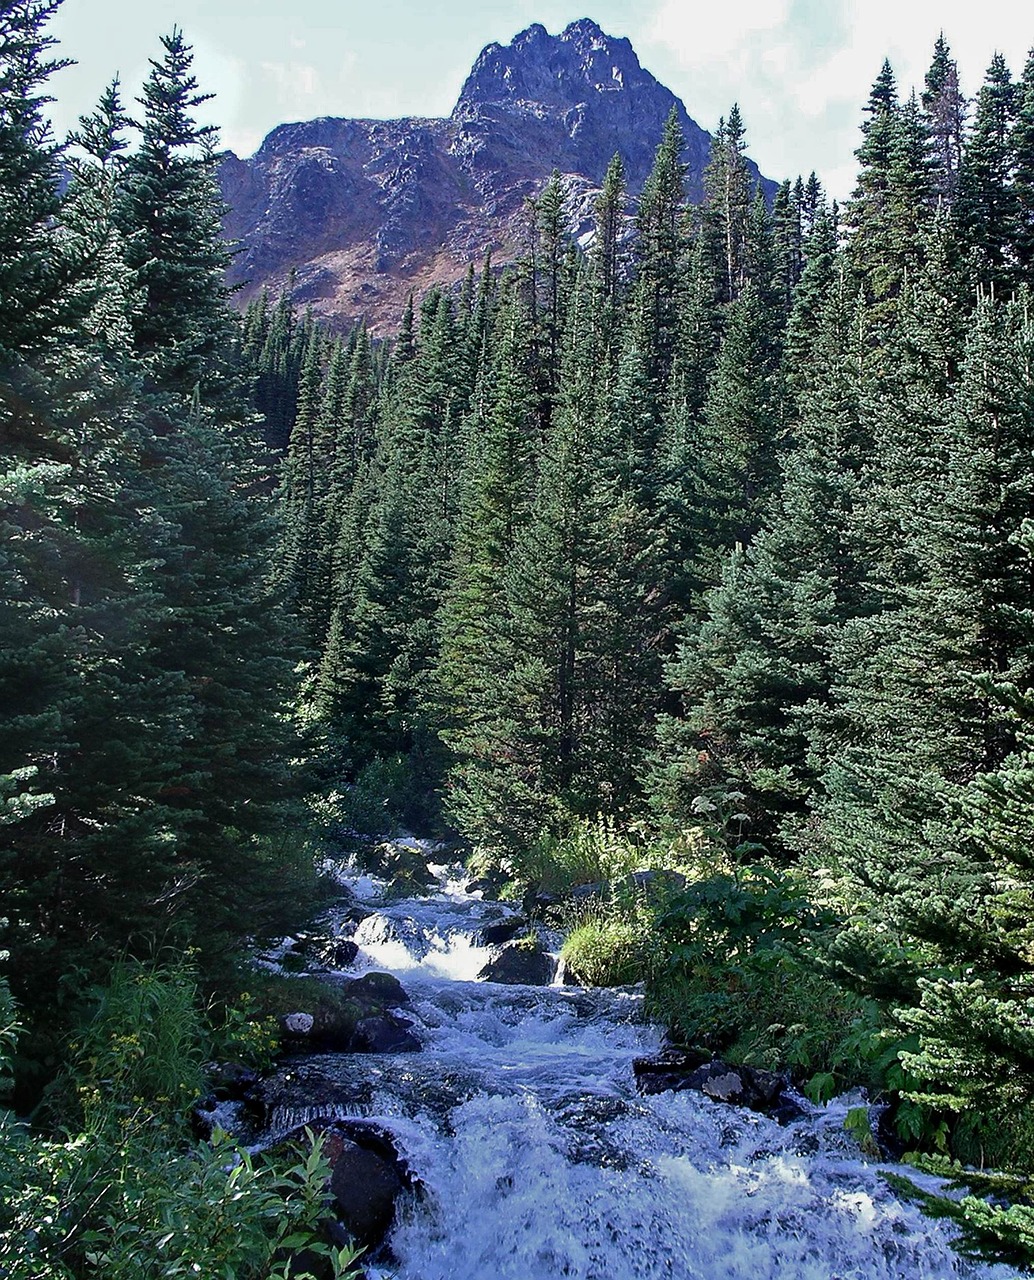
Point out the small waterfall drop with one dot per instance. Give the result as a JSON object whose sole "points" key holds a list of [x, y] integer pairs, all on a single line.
{"points": [[538, 1158]]}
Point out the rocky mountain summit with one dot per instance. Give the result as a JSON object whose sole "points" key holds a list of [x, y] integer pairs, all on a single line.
{"points": [[364, 212]]}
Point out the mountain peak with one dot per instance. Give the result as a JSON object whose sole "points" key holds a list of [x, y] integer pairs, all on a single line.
{"points": [[555, 71], [354, 215], [585, 29]]}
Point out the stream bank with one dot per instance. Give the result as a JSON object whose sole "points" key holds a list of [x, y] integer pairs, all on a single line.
{"points": [[530, 1150]]}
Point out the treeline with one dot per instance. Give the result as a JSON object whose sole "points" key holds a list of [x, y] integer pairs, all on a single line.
{"points": [[149, 790], [722, 525]]}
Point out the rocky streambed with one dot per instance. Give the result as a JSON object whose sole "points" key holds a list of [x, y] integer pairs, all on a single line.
{"points": [[486, 1121]]}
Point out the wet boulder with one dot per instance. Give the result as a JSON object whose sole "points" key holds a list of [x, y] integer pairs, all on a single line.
{"points": [[368, 1175], [342, 952], [497, 932], [365, 1188], [384, 988], [741, 1086], [384, 1033], [667, 1070], [234, 1098], [521, 963]]}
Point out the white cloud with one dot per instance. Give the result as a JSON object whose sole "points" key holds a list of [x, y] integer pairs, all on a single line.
{"points": [[801, 70], [297, 86]]}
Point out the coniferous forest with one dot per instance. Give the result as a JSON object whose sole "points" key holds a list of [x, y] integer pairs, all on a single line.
{"points": [[706, 551]]}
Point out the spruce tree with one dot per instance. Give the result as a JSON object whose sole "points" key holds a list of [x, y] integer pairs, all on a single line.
{"points": [[171, 220], [986, 201]]}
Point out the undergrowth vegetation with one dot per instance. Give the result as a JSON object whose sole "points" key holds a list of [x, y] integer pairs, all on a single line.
{"points": [[123, 1189]]}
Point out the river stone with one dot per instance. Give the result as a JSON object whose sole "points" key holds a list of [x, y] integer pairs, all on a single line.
{"points": [[519, 964], [384, 988], [365, 1188], [384, 1033], [367, 1176], [342, 952], [297, 1024], [667, 1069], [741, 1086], [499, 931]]}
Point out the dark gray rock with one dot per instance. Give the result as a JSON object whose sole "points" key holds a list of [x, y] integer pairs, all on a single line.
{"points": [[741, 1086], [384, 1033], [365, 1189], [342, 952], [499, 931], [368, 1174], [538, 903], [667, 1069], [520, 965], [384, 988]]}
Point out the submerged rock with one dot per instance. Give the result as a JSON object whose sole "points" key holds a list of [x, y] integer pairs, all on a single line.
{"points": [[521, 964]]}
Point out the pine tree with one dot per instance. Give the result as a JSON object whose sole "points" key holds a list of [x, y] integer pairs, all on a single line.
{"points": [[755, 673], [40, 275], [1022, 142], [660, 250], [945, 109]]}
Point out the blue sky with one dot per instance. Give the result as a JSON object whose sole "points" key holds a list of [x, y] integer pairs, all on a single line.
{"points": [[800, 69]]}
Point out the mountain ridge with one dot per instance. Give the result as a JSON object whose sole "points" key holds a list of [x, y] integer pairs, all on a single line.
{"points": [[356, 214]]}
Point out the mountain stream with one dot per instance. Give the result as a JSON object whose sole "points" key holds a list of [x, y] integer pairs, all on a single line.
{"points": [[538, 1158]]}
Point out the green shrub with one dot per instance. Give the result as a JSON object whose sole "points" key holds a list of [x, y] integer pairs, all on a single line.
{"points": [[606, 951], [597, 851], [130, 1196], [730, 972], [139, 1061]]}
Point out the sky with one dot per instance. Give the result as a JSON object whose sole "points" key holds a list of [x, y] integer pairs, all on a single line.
{"points": [[800, 69]]}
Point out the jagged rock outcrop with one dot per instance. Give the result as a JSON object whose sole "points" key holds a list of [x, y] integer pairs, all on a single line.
{"points": [[363, 212]]}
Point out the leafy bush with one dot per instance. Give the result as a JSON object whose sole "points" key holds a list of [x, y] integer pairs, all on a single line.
{"points": [[730, 973], [597, 851], [139, 1061], [130, 1195]]}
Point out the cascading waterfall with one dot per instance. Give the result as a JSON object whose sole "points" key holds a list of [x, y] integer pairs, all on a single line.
{"points": [[538, 1159]]}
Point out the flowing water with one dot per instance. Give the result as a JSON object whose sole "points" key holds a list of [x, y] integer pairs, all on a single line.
{"points": [[538, 1158]]}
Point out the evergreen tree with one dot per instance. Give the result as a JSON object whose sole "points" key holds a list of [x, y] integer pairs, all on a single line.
{"points": [[986, 201], [40, 275], [171, 218], [945, 108], [1022, 142]]}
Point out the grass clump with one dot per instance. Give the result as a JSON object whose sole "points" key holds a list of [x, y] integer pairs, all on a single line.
{"points": [[606, 951]]}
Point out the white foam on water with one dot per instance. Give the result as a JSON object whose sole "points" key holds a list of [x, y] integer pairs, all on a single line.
{"points": [[539, 1160]]}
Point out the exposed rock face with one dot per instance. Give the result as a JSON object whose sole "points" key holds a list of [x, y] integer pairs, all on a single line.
{"points": [[366, 211]]}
